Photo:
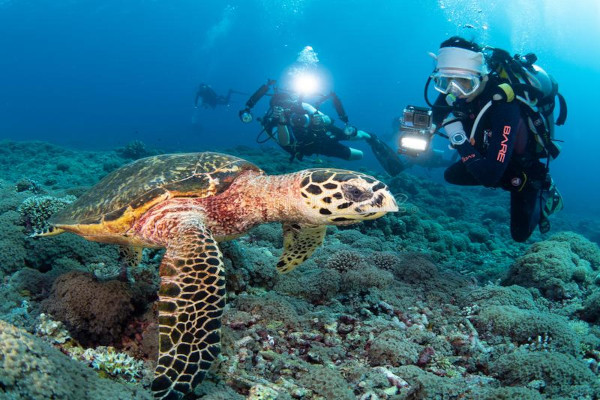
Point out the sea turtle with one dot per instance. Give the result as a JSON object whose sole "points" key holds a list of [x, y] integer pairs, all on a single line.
{"points": [[187, 203]]}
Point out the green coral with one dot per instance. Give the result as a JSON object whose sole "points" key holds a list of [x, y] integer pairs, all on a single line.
{"points": [[560, 374], [553, 267], [36, 210], [524, 327], [326, 382]]}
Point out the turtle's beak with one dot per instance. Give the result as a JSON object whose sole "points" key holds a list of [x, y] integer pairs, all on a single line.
{"points": [[383, 202], [388, 204]]}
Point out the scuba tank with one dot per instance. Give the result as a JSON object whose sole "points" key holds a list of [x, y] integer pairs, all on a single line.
{"points": [[536, 90]]}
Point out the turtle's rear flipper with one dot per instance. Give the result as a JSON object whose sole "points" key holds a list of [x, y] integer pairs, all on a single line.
{"points": [[191, 301], [299, 242]]}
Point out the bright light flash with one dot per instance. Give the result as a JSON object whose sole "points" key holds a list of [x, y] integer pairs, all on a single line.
{"points": [[306, 83], [413, 143]]}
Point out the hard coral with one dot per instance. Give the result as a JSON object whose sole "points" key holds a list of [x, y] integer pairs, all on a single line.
{"points": [[32, 369], [134, 150], [94, 312], [522, 327], [107, 359], [393, 348], [416, 268], [36, 210], [561, 375], [52, 330], [326, 382], [317, 286], [550, 266], [346, 260]]}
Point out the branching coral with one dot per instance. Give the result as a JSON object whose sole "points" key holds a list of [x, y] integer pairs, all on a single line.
{"points": [[52, 330], [108, 360], [36, 210]]}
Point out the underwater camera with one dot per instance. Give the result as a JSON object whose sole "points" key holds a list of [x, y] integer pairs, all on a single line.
{"points": [[415, 130]]}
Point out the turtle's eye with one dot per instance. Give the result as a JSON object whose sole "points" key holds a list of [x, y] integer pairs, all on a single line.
{"points": [[354, 193]]}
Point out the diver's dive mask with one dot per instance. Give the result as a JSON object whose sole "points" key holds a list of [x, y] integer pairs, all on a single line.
{"points": [[457, 83], [458, 71]]}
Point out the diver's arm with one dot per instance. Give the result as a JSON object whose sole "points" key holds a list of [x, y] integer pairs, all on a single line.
{"points": [[440, 110], [283, 135], [489, 167], [278, 126]]}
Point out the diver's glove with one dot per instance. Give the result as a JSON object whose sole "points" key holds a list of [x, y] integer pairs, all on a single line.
{"points": [[455, 131]]}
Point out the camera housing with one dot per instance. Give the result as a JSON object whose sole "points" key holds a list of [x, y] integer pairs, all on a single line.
{"points": [[415, 130]]}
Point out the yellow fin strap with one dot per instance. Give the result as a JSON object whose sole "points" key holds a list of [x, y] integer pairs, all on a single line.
{"points": [[508, 91]]}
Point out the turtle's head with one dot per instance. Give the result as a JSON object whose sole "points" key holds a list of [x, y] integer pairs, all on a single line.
{"points": [[341, 197]]}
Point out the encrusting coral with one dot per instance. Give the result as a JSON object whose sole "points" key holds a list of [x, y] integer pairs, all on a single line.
{"points": [[32, 369]]}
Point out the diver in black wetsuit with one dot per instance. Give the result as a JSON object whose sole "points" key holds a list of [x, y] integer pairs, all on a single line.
{"points": [[302, 130], [210, 98], [501, 152]]}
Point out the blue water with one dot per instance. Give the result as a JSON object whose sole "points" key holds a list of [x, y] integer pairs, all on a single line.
{"points": [[98, 74]]}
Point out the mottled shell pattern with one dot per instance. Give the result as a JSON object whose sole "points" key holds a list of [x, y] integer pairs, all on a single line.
{"points": [[124, 195]]}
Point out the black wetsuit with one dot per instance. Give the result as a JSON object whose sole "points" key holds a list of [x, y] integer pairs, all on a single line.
{"points": [[210, 98], [502, 155], [306, 136]]}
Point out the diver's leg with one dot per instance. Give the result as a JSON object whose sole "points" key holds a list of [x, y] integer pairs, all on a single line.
{"points": [[524, 213], [457, 174], [355, 154], [334, 148]]}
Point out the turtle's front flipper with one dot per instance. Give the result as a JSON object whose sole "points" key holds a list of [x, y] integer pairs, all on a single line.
{"points": [[299, 242], [191, 301], [131, 256]]}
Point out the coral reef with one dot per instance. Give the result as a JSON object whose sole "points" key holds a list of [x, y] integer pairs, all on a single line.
{"points": [[562, 267], [32, 369], [408, 306], [94, 312], [36, 210], [52, 330], [108, 360], [134, 150]]}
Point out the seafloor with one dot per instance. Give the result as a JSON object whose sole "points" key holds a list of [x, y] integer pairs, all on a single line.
{"points": [[433, 302]]}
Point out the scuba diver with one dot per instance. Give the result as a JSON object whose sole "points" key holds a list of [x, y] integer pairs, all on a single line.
{"points": [[210, 98], [498, 114], [301, 129]]}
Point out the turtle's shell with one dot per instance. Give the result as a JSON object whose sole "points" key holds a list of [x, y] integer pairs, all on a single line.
{"points": [[119, 199]]}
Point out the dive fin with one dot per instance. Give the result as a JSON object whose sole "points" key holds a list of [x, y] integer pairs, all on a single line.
{"points": [[299, 242], [387, 157]]}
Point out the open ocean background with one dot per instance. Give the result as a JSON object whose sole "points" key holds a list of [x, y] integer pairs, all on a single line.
{"points": [[92, 74]]}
